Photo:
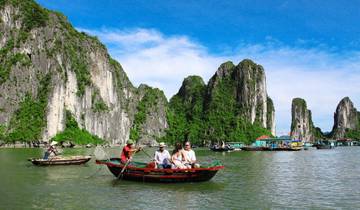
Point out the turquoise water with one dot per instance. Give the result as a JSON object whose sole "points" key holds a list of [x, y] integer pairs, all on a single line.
{"points": [[313, 179]]}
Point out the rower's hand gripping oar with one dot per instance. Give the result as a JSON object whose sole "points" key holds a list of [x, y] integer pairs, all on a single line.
{"points": [[124, 168]]}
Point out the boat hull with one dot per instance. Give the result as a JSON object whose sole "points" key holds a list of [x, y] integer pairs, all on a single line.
{"points": [[222, 149], [287, 149], [78, 160], [324, 147], [255, 149], [160, 175]]}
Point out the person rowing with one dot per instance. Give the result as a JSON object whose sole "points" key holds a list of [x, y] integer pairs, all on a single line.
{"points": [[128, 151], [51, 150]]}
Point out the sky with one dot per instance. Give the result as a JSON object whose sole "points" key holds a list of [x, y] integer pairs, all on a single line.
{"points": [[309, 49]]}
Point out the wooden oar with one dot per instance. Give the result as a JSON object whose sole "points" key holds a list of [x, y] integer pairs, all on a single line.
{"points": [[123, 169]]}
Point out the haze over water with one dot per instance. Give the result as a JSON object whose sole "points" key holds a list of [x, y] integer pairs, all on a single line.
{"points": [[313, 179]]}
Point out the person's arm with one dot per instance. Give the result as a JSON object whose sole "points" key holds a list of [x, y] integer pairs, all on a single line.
{"points": [[193, 157], [168, 157], [156, 157], [184, 156], [173, 158]]}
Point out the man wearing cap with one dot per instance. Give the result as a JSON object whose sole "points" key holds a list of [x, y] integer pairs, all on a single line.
{"points": [[128, 151], [162, 157]]}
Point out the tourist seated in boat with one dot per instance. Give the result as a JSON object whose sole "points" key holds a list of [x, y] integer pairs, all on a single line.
{"points": [[128, 151], [190, 157], [51, 150], [178, 157], [162, 157]]}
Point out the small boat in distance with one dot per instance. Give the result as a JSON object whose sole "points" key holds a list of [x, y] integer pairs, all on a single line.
{"points": [[226, 148], [325, 144], [59, 160], [144, 172], [255, 148]]}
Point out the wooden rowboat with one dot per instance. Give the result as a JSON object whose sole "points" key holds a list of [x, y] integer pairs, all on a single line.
{"points": [[142, 172], [58, 160]]}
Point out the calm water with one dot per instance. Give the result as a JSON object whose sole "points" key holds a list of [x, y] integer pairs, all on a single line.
{"points": [[313, 179]]}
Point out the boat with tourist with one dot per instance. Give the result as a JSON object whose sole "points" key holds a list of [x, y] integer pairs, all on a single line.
{"points": [[226, 148], [146, 172], [60, 160]]}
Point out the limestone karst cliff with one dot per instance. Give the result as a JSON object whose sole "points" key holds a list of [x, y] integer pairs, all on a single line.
{"points": [[302, 126], [346, 120], [233, 106], [47, 67], [49, 70]]}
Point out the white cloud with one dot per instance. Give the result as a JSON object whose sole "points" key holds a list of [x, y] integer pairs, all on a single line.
{"points": [[318, 75]]}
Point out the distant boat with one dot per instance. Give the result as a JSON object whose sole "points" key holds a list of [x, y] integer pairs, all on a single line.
{"points": [[256, 148], [325, 144], [59, 160], [226, 148], [307, 145], [287, 149]]}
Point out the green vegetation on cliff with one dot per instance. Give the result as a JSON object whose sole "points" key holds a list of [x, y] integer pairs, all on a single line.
{"points": [[201, 113], [75, 134], [31, 15], [98, 104], [185, 112], [355, 133], [150, 99], [225, 120], [29, 120]]}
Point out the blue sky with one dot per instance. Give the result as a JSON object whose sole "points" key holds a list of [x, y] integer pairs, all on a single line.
{"points": [[309, 49]]}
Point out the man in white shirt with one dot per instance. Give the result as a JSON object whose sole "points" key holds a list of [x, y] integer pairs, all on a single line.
{"points": [[162, 157], [190, 155]]}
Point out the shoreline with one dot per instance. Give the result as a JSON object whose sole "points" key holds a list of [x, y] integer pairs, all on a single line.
{"points": [[27, 146]]}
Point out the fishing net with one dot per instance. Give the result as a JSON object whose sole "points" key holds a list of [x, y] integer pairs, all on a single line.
{"points": [[100, 153]]}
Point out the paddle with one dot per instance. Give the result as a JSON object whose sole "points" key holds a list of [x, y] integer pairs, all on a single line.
{"points": [[123, 169]]}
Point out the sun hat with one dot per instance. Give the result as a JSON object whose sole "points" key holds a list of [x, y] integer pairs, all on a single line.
{"points": [[130, 141], [53, 143], [162, 144]]}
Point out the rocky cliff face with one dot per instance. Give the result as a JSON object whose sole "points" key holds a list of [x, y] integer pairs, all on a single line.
{"points": [[150, 118], [346, 119], [302, 126], [248, 88], [270, 116], [233, 106], [185, 112], [39, 46]]}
